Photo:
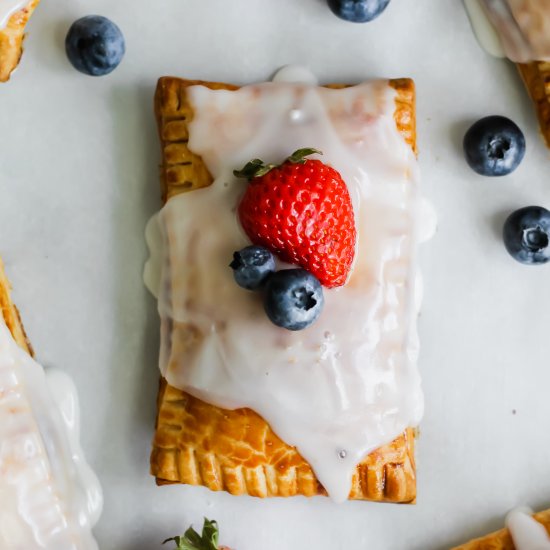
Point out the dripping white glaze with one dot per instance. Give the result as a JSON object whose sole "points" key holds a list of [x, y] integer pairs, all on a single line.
{"points": [[426, 223], [65, 395], [486, 34], [349, 383], [517, 29], [8, 8], [155, 244], [295, 74], [49, 497]]}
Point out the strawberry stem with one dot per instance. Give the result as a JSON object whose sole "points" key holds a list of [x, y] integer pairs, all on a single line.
{"points": [[193, 541], [254, 169], [299, 156], [257, 168]]}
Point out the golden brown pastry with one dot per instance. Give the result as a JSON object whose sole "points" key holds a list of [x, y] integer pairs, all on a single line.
{"points": [[501, 540], [536, 76], [235, 450], [11, 40], [11, 314]]}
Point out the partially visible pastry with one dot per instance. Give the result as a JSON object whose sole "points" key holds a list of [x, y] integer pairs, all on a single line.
{"points": [[520, 31], [14, 15], [49, 496]]}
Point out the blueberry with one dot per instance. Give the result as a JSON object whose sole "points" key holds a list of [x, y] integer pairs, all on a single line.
{"points": [[95, 45], [293, 298], [252, 266], [527, 235], [358, 11], [494, 146]]}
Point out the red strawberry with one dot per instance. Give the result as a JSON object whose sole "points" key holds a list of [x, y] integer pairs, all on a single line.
{"points": [[301, 211]]}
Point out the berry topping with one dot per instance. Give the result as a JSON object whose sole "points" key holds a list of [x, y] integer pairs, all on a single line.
{"points": [[95, 45], [252, 266], [527, 235], [494, 146], [358, 11], [301, 211], [293, 299]]}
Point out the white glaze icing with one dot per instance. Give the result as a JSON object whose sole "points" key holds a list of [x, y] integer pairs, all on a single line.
{"points": [[295, 74], [8, 8], [65, 395], [153, 265], [521, 27], [486, 34], [527, 533], [349, 382], [49, 497], [426, 224]]}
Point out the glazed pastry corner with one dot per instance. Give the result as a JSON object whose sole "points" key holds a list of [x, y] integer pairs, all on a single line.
{"points": [[11, 39], [502, 540], [518, 31]]}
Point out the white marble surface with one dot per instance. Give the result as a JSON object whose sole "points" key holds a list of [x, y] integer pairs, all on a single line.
{"points": [[78, 180]]}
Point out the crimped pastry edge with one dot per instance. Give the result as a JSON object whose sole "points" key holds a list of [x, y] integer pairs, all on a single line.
{"points": [[388, 474]]}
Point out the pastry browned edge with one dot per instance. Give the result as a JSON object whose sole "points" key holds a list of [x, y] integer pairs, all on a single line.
{"points": [[11, 40], [11, 314], [536, 76], [200, 444], [501, 540]]}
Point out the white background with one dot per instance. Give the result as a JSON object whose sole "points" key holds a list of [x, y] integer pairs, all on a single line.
{"points": [[78, 181]]}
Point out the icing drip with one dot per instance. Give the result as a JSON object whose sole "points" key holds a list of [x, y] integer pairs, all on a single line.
{"points": [[526, 532]]}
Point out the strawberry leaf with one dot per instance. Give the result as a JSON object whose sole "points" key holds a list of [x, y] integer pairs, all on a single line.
{"points": [[299, 156], [208, 540], [253, 169], [257, 168], [210, 533]]}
